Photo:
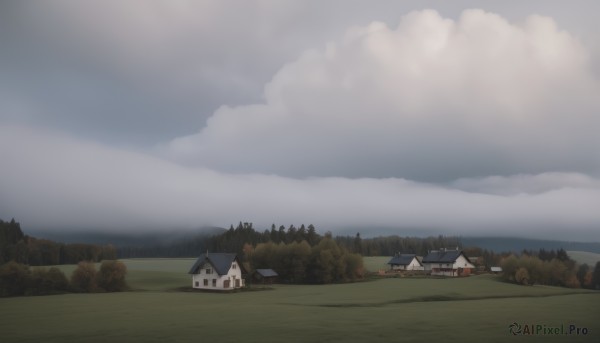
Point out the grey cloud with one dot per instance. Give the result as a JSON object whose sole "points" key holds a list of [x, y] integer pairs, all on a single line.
{"points": [[51, 181], [526, 183], [138, 72]]}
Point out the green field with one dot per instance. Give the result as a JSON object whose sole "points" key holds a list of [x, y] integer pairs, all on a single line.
{"points": [[470, 309], [585, 257], [376, 263]]}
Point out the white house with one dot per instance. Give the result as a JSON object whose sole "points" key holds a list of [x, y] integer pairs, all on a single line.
{"points": [[405, 262], [217, 271], [447, 262]]}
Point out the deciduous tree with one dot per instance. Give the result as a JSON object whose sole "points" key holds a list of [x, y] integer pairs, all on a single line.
{"points": [[111, 276], [83, 278], [14, 279], [522, 276]]}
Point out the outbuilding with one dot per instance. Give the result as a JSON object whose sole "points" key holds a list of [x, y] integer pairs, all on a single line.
{"points": [[265, 276], [405, 262]]}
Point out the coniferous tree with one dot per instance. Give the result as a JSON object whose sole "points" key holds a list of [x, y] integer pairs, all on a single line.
{"points": [[358, 244], [311, 235], [582, 272], [596, 277]]}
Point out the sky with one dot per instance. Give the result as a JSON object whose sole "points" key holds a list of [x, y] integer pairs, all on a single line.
{"points": [[429, 117]]}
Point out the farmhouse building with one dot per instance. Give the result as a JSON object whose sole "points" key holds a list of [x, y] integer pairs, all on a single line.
{"points": [[405, 262], [217, 271], [265, 275], [447, 262]]}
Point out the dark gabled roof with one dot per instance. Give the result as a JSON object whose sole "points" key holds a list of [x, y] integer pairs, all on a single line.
{"points": [[220, 261], [402, 259], [266, 272], [443, 256]]}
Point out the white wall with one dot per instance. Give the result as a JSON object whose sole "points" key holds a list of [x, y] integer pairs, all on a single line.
{"points": [[414, 265], [234, 273], [461, 262]]}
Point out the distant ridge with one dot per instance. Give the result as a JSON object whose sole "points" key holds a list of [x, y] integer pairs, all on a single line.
{"points": [[513, 244], [127, 239], [496, 244]]}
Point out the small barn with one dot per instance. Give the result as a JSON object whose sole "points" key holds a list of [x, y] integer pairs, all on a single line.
{"points": [[265, 276], [405, 262], [446, 262], [496, 270], [217, 271]]}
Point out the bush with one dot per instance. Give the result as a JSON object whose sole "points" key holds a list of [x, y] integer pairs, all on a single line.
{"points": [[14, 279], [83, 279], [522, 276], [111, 277], [51, 281]]}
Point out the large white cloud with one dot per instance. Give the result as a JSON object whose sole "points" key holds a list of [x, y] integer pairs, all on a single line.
{"points": [[50, 181], [432, 99]]}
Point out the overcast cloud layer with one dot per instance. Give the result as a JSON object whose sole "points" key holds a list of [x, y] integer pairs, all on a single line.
{"points": [[169, 115]]}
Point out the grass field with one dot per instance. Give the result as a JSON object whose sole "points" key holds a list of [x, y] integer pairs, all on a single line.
{"points": [[376, 263], [470, 309], [585, 257]]}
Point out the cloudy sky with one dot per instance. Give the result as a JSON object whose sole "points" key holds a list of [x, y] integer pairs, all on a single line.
{"points": [[430, 117]]}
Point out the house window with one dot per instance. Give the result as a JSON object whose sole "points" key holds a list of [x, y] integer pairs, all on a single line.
{"points": [[196, 284], [233, 266], [205, 282], [208, 271], [214, 282]]}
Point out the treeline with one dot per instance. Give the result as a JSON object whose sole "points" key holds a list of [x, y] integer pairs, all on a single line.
{"points": [[232, 240], [390, 245], [484, 259], [553, 268], [18, 279], [298, 262], [18, 247]]}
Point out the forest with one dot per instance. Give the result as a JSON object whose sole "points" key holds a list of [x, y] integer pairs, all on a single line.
{"points": [[298, 262], [233, 240], [21, 248], [553, 268], [19, 279]]}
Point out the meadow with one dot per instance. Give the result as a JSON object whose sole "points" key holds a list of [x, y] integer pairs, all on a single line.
{"points": [[473, 309], [582, 257]]}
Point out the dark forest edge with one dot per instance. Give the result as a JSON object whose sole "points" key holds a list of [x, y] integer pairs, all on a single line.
{"points": [[21, 248], [18, 279], [95, 246]]}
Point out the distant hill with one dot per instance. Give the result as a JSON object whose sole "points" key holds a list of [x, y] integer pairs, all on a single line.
{"points": [[512, 244], [178, 237], [120, 239]]}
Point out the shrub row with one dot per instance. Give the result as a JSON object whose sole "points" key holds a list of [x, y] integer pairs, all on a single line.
{"points": [[18, 279]]}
